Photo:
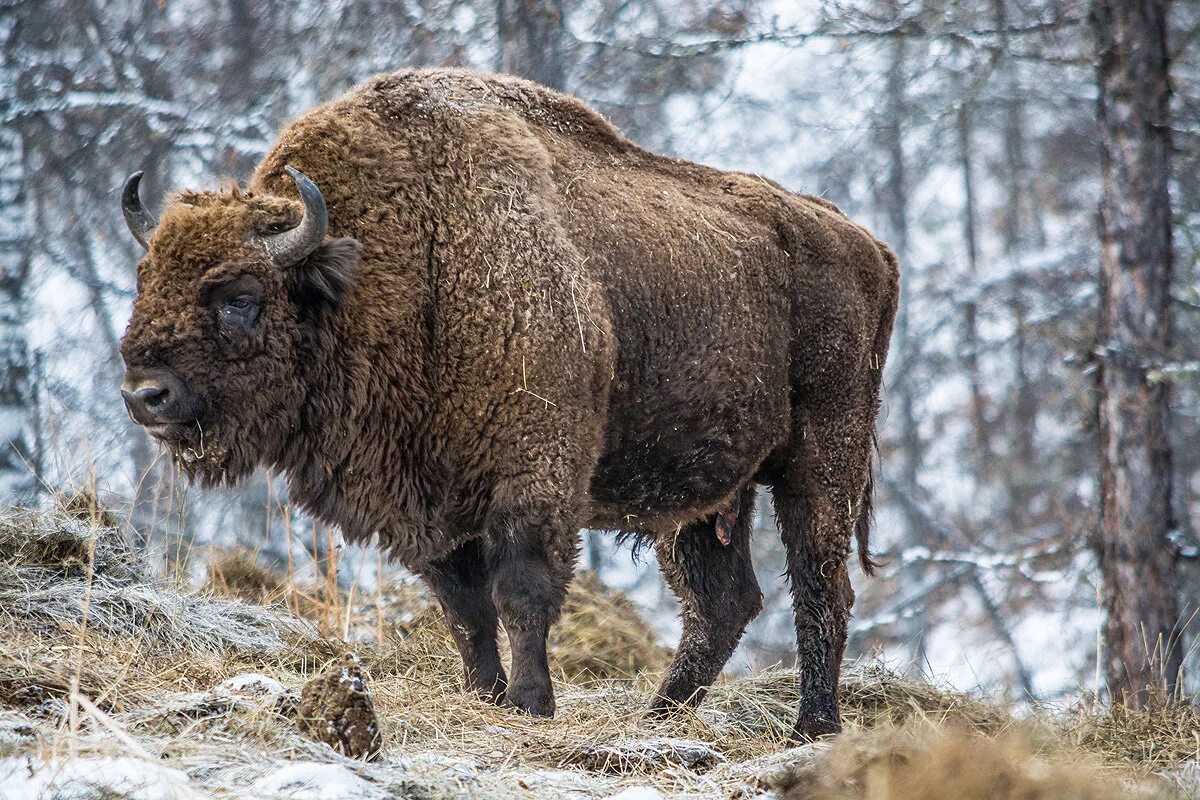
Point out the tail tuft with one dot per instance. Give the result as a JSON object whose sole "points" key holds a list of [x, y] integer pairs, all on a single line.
{"points": [[862, 526]]}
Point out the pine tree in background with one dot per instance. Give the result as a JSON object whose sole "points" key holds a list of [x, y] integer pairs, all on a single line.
{"points": [[532, 36], [1137, 555]]}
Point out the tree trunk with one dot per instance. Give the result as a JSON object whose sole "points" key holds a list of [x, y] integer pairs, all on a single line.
{"points": [[980, 435], [531, 40], [1021, 228], [19, 462], [1137, 557], [894, 198]]}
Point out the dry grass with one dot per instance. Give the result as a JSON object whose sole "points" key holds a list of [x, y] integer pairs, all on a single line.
{"points": [[602, 635], [236, 573], [81, 617], [1157, 737], [59, 572], [919, 761]]}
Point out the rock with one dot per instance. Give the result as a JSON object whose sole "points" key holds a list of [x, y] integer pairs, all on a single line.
{"points": [[637, 755], [336, 708]]}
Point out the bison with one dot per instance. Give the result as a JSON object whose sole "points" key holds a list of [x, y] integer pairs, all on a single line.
{"points": [[462, 312]]}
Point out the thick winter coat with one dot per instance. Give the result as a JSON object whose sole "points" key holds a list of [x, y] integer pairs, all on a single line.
{"points": [[491, 321]]}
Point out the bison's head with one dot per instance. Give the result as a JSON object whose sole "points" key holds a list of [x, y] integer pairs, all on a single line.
{"points": [[231, 296]]}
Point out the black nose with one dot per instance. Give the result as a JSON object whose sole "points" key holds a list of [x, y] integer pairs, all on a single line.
{"points": [[157, 397], [149, 396]]}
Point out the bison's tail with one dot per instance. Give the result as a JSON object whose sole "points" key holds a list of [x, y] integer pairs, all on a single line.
{"points": [[883, 337], [862, 526]]}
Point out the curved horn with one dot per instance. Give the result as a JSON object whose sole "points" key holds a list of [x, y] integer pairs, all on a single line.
{"points": [[290, 246], [139, 219]]}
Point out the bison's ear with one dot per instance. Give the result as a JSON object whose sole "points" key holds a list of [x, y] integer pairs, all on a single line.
{"points": [[321, 278]]}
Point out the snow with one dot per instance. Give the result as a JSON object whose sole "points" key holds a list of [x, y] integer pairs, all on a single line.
{"points": [[29, 778], [251, 684], [16, 732], [637, 793], [306, 780]]}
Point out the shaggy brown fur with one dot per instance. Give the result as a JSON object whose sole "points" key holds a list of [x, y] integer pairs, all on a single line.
{"points": [[522, 324]]}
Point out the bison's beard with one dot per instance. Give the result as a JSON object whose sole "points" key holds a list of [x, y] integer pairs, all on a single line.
{"points": [[205, 453]]}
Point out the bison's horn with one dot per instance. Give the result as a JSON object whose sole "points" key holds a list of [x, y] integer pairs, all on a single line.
{"points": [[291, 246], [139, 219]]}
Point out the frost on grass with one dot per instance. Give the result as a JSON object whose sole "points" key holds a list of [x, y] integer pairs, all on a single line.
{"points": [[58, 570]]}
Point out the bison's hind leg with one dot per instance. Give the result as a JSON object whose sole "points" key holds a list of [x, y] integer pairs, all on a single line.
{"points": [[819, 500], [716, 587]]}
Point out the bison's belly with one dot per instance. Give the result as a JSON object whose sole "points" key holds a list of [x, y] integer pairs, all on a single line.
{"points": [[671, 457]]}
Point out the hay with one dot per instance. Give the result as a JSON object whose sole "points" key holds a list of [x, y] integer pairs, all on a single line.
{"points": [[603, 635], [874, 695], [238, 574], [1157, 737], [157, 675], [47, 545], [923, 761], [764, 705]]}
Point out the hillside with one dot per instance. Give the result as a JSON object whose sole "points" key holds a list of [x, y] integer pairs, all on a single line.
{"points": [[114, 684]]}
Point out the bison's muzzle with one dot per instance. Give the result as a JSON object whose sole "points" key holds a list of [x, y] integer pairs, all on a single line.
{"points": [[157, 397]]}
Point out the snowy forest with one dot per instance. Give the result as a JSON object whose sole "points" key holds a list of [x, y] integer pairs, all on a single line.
{"points": [[1038, 476]]}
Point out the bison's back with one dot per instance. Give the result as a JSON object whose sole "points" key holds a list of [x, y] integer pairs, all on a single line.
{"points": [[729, 295], [725, 291], [711, 279]]}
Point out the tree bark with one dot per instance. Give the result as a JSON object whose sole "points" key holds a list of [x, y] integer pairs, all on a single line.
{"points": [[532, 35], [894, 198], [20, 468], [980, 435], [1137, 557]]}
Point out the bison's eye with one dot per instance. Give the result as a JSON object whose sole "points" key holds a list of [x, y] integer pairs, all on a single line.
{"points": [[240, 313], [235, 305]]}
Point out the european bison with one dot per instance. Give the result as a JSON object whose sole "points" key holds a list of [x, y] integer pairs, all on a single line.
{"points": [[463, 312]]}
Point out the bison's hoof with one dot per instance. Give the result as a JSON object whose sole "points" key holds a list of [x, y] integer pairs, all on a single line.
{"points": [[533, 699], [489, 691], [663, 707], [495, 696], [671, 701], [812, 729]]}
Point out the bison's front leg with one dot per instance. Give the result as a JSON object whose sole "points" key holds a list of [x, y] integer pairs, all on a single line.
{"points": [[462, 582], [532, 570], [718, 595]]}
